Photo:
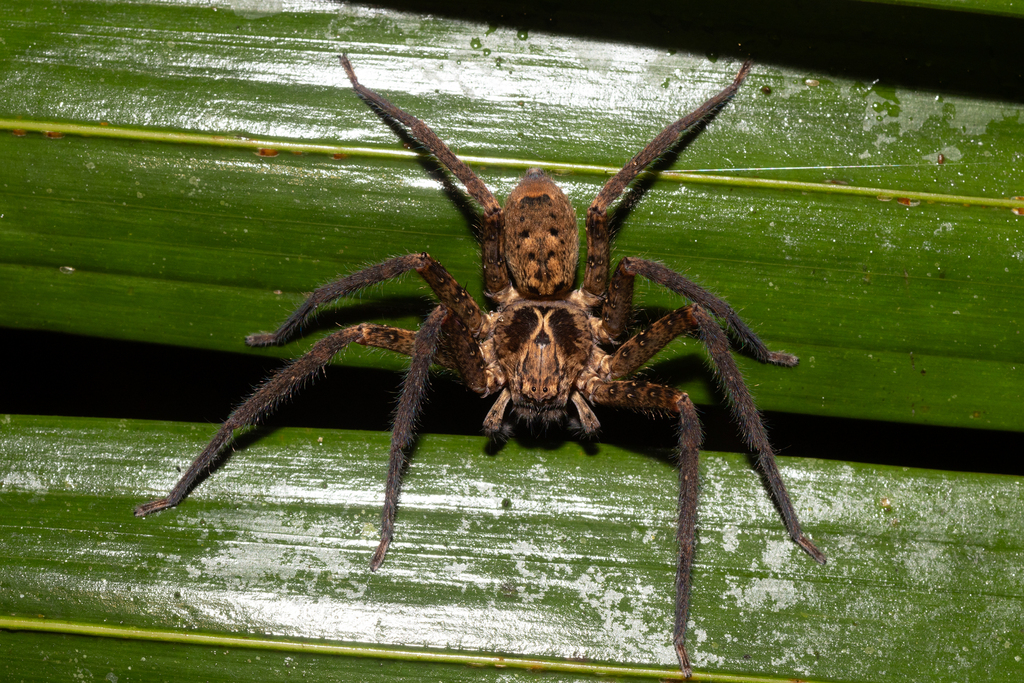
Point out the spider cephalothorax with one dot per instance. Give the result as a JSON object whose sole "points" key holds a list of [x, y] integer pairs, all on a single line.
{"points": [[546, 345]]}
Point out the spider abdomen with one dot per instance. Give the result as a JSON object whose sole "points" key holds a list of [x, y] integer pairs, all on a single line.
{"points": [[541, 237]]}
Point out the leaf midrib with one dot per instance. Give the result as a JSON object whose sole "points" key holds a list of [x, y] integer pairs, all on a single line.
{"points": [[54, 626], [690, 177]]}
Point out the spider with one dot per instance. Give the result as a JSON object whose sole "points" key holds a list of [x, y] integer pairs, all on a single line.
{"points": [[549, 351]]}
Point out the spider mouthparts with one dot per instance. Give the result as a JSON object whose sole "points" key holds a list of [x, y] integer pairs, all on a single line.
{"points": [[538, 415]]}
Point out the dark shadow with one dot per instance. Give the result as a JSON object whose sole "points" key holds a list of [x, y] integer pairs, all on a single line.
{"points": [[431, 166], [239, 443], [683, 370], [645, 181], [153, 382], [898, 46], [352, 312]]}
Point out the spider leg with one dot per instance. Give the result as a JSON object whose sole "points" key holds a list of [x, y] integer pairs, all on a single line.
{"points": [[461, 352], [277, 388], [494, 421], [647, 396], [642, 347], [495, 274], [617, 307], [413, 390], [598, 241], [745, 412], [444, 285], [696, 318], [690, 319]]}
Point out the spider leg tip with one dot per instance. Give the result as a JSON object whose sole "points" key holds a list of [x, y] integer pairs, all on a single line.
{"points": [[684, 660], [813, 551], [260, 339], [152, 506], [378, 555], [347, 65], [787, 360], [744, 71]]}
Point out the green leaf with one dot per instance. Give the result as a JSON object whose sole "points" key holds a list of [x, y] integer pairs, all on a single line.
{"points": [[907, 313], [855, 202], [545, 552]]}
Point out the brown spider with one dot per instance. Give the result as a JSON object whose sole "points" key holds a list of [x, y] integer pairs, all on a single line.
{"points": [[546, 345]]}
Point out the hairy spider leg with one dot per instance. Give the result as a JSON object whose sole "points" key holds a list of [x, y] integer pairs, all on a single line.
{"points": [[598, 240], [640, 395], [461, 352], [696, 319], [641, 347], [617, 308], [444, 285], [413, 389], [277, 388], [495, 274], [645, 396], [745, 412]]}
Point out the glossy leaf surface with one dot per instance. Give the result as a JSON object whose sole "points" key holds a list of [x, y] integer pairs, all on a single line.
{"points": [[905, 310], [546, 551], [907, 313]]}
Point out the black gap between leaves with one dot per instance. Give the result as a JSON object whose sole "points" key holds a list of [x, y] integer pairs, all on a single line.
{"points": [[58, 374]]}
